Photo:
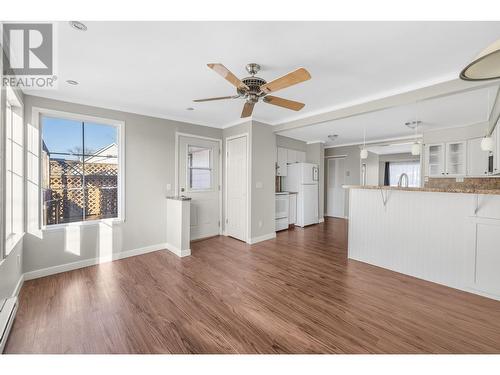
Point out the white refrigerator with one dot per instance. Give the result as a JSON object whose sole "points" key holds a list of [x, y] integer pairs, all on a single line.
{"points": [[302, 178]]}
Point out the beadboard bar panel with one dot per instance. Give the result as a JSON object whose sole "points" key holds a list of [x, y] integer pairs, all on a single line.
{"points": [[426, 235]]}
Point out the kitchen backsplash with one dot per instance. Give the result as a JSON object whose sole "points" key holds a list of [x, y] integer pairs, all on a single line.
{"points": [[492, 183]]}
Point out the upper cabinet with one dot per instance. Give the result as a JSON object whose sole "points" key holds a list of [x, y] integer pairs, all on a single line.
{"points": [[456, 159], [281, 165], [446, 159], [288, 156], [477, 159]]}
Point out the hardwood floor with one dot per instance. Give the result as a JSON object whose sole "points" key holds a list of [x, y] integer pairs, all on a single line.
{"points": [[295, 294]]}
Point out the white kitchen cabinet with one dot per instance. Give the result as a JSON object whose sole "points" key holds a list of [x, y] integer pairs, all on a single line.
{"points": [[446, 159], [435, 160], [496, 151], [456, 159], [292, 209], [477, 159], [282, 206], [486, 256], [282, 157], [291, 156]]}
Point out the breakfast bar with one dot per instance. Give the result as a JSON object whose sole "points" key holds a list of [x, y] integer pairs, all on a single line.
{"points": [[447, 236]]}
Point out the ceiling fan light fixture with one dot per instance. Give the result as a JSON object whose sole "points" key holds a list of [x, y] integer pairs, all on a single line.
{"points": [[485, 66], [77, 25]]}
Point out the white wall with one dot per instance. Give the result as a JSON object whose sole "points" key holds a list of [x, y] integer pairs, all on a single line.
{"points": [[149, 167], [11, 266]]}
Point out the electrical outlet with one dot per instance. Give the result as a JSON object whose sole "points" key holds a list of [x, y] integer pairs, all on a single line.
{"points": [[260, 223], [459, 179], [169, 187], [18, 259]]}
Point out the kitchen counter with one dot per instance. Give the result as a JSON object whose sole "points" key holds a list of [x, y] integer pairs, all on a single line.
{"points": [[285, 192], [424, 189], [450, 239]]}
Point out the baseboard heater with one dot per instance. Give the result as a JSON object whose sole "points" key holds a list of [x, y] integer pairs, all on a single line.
{"points": [[8, 309]]}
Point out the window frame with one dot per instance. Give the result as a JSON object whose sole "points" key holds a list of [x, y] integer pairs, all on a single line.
{"points": [[37, 115], [12, 100], [189, 171]]}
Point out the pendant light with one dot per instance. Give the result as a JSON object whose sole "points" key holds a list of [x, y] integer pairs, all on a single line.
{"points": [[415, 147], [364, 152], [485, 66], [487, 143]]}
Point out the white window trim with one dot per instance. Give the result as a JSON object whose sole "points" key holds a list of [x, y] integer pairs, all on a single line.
{"points": [[37, 113], [10, 95]]}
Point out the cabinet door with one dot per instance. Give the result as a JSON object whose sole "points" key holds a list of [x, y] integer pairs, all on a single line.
{"points": [[292, 209], [281, 169], [496, 151], [292, 156], [486, 276], [477, 159], [435, 160], [301, 156], [456, 159]]}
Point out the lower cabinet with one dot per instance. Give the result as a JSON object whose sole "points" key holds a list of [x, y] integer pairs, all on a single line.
{"points": [[292, 210], [485, 257]]}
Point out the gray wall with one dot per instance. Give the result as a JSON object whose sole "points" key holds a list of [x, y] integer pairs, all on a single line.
{"points": [[372, 168], [263, 172], [291, 143], [315, 153], [149, 167]]}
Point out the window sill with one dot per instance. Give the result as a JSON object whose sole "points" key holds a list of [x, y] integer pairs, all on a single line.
{"points": [[56, 227]]}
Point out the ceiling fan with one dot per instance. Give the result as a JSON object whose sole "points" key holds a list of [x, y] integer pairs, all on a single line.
{"points": [[253, 88]]}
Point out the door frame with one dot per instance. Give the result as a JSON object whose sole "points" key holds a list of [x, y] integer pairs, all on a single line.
{"points": [[249, 183], [327, 178], [177, 167]]}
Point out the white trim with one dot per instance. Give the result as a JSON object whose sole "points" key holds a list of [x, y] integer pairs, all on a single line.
{"points": [[249, 184], [264, 237], [91, 262], [321, 220], [313, 142], [177, 161], [36, 113], [180, 253], [19, 285], [374, 142], [239, 122]]}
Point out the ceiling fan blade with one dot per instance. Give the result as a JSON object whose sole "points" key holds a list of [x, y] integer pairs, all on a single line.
{"points": [[290, 79], [217, 98], [228, 76], [285, 103], [247, 110]]}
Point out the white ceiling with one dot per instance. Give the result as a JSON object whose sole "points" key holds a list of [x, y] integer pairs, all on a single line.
{"points": [[456, 110], [157, 68]]}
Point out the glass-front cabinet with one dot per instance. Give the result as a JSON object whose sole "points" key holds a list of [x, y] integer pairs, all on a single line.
{"points": [[446, 159]]}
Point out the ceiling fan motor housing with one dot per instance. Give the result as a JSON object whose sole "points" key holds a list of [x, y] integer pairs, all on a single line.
{"points": [[253, 84]]}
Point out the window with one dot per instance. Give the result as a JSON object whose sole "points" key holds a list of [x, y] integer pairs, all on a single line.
{"points": [[411, 168], [80, 171], [199, 168], [14, 172]]}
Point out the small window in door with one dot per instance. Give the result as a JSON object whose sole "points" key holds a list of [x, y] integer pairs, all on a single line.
{"points": [[199, 168]]}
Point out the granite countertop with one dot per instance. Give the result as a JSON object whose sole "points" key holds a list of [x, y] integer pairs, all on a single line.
{"points": [[431, 190]]}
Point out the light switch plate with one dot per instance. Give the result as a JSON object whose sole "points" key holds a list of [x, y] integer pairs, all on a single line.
{"points": [[258, 185]]}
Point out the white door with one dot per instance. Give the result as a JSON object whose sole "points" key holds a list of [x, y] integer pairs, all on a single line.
{"points": [[236, 188], [199, 180], [335, 198]]}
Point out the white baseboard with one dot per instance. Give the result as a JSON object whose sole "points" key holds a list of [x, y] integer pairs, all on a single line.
{"points": [[264, 237], [91, 262], [177, 251], [322, 219], [18, 287]]}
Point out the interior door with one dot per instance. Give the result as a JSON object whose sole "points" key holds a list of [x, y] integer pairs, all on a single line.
{"points": [[236, 188], [335, 198], [198, 178]]}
